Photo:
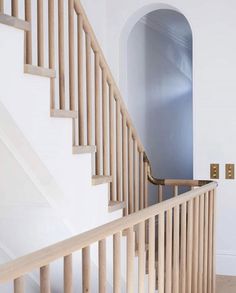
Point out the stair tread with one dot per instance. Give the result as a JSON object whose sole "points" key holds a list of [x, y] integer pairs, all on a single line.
{"points": [[40, 71], [116, 205], [15, 22], [63, 113], [84, 149], [101, 179]]}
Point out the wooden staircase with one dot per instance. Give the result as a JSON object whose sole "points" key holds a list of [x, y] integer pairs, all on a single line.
{"points": [[172, 240]]}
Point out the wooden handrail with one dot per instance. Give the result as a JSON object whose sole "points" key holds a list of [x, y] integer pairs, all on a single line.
{"points": [[43, 257]]}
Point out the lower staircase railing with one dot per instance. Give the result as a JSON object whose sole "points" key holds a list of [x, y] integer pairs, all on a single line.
{"points": [[174, 239]]}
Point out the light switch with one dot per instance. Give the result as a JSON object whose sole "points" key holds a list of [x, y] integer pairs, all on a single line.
{"points": [[229, 171], [214, 170]]}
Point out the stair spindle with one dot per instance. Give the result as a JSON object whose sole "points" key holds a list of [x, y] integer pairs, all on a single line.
{"points": [[68, 283], [189, 246], [117, 262], [51, 49], [80, 82], [141, 257], [19, 285], [61, 54], [14, 8], [44, 280], [28, 34], [205, 265], [102, 266], [105, 122], [136, 179], [161, 252], [86, 270], [118, 150], [141, 186], [112, 144], [71, 53], [169, 251], [125, 165], [97, 115], [89, 90], [183, 244], [131, 173], [130, 261], [176, 250], [40, 33], [151, 255], [1, 6], [195, 245], [201, 244]]}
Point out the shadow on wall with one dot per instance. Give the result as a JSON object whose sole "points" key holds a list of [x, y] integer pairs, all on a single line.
{"points": [[160, 91]]}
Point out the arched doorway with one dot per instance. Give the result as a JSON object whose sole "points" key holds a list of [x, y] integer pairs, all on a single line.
{"points": [[157, 56]]}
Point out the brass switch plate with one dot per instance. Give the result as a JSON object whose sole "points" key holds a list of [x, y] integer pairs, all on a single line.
{"points": [[214, 171], [229, 171]]}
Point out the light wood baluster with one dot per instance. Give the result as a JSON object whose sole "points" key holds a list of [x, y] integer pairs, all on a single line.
{"points": [[97, 115], [68, 286], [195, 245], [102, 266], [80, 82], [118, 150], [71, 54], [151, 255], [136, 179], [205, 268], [131, 173], [141, 198], [14, 8], [124, 165], [189, 246], [86, 271], [89, 90], [169, 231], [61, 53], [141, 256], [28, 34], [19, 285], [145, 184], [51, 48], [214, 243], [112, 144], [161, 253], [44, 280], [105, 122], [1, 6], [183, 236], [176, 250], [201, 244], [210, 244], [176, 190], [117, 263], [40, 33], [160, 193], [130, 261]]}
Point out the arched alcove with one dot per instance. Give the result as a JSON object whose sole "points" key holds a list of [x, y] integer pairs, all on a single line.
{"points": [[158, 88]]}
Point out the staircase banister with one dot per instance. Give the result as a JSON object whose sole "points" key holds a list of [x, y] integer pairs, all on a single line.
{"points": [[25, 264], [96, 47]]}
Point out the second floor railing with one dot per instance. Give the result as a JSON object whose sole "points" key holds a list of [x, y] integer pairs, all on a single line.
{"points": [[175, 250]]}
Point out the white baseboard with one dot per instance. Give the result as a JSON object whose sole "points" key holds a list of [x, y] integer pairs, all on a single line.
{"points": [[226, 263]]}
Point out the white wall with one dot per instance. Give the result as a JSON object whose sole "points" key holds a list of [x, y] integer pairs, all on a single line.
{"points": [[160, 99], [213, 23]]}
